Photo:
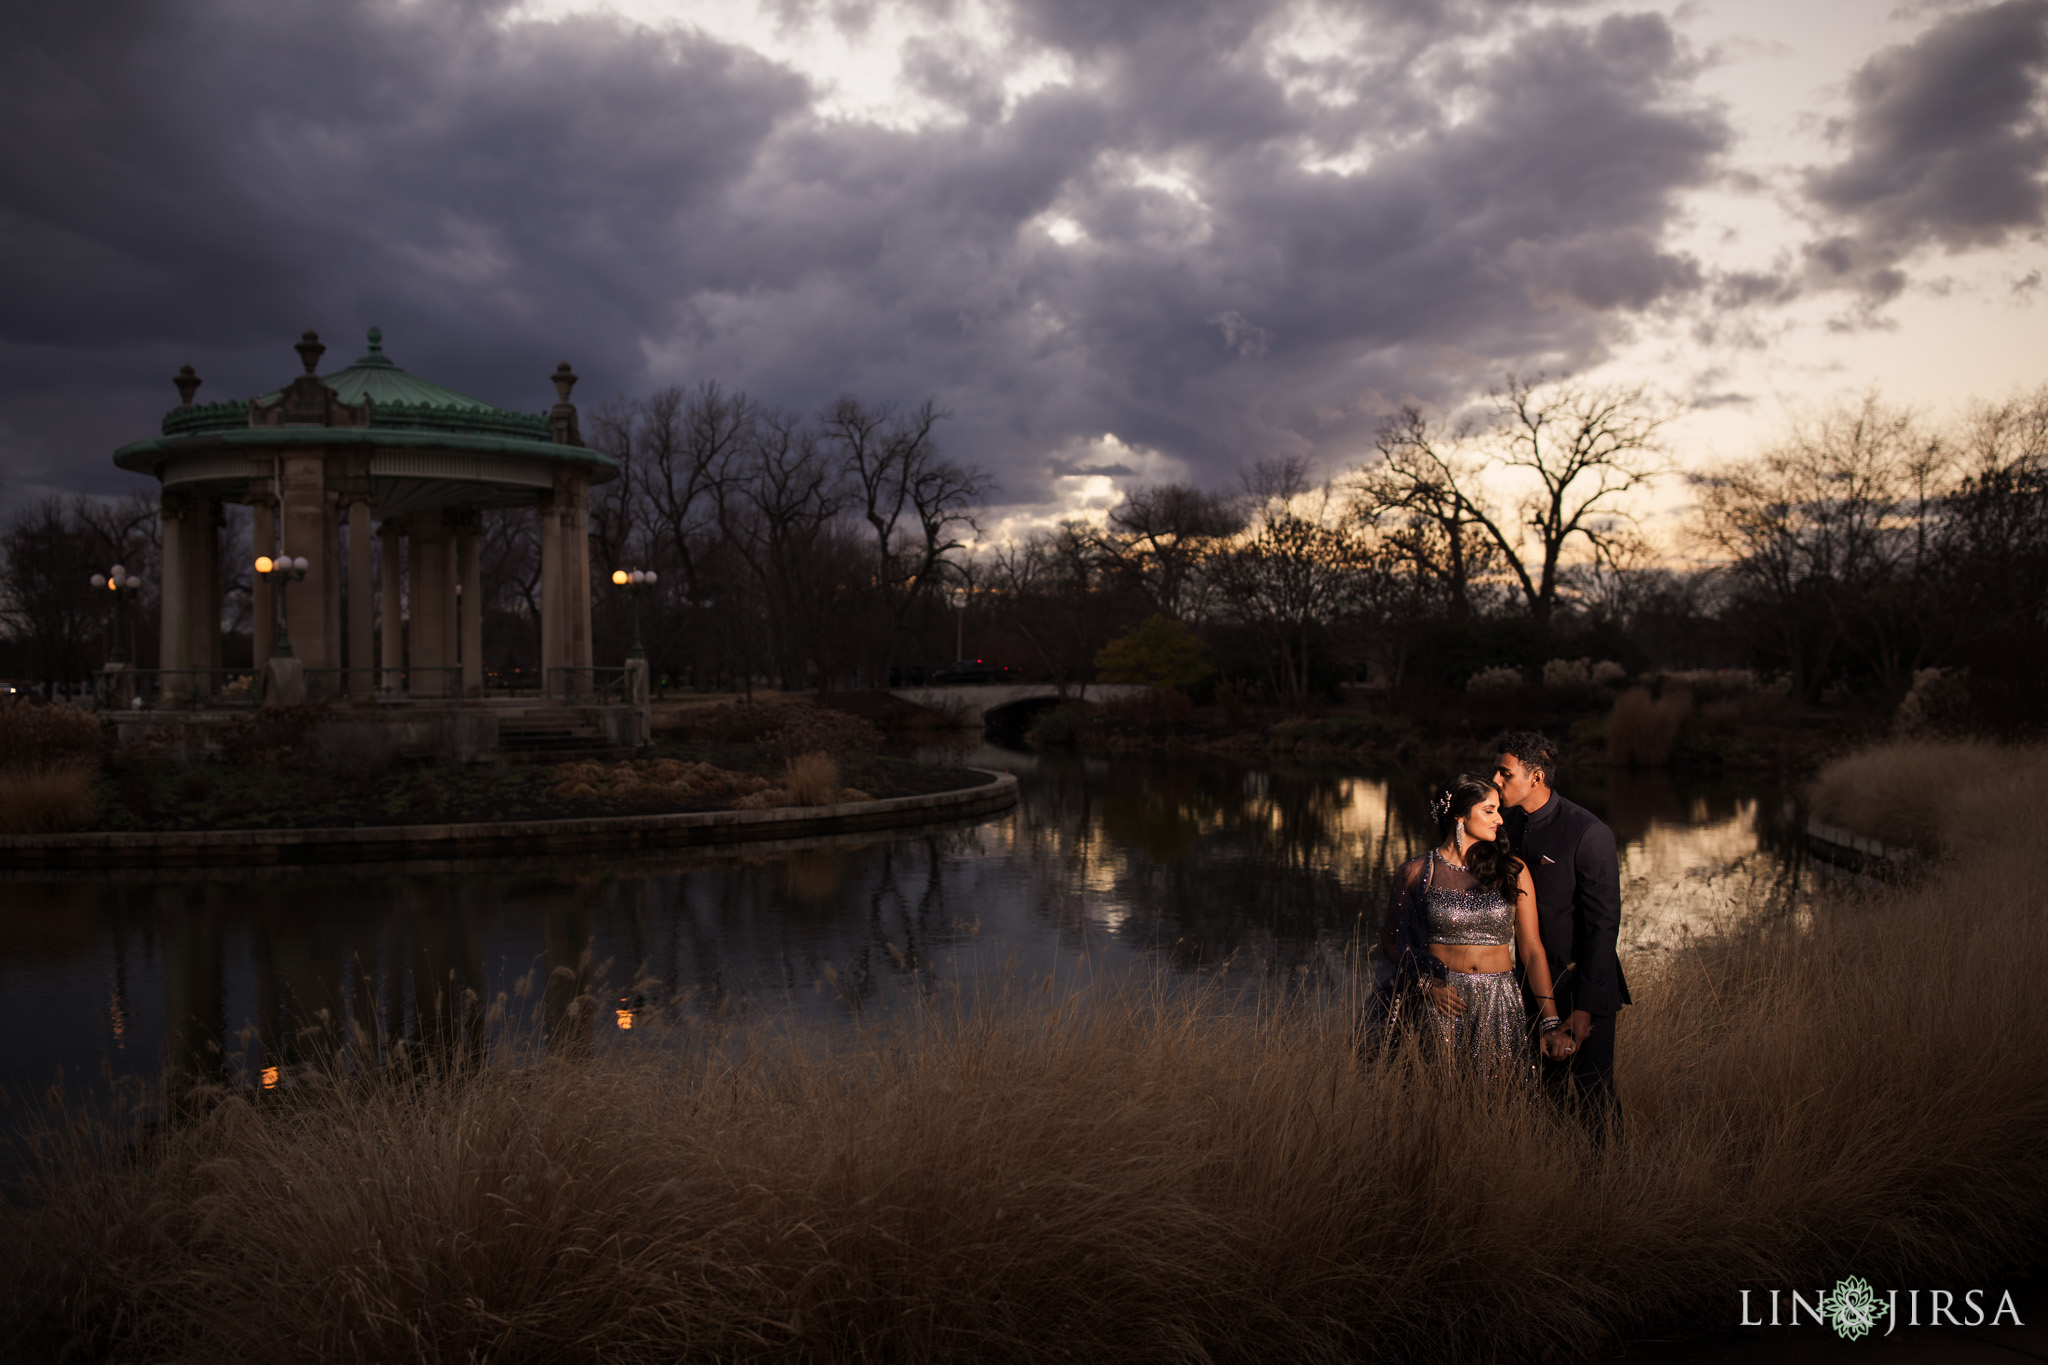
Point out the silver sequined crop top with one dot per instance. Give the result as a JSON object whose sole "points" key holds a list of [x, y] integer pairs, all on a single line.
{"points": [[1468, 917]]}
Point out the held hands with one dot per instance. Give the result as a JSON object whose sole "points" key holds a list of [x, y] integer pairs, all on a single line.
{"points": [[1446, 999], [1560, 1043]]}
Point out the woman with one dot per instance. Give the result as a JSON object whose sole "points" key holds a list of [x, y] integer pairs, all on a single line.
{"points": [[1457, 918]]}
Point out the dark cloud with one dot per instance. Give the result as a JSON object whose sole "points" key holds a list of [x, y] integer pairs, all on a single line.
{"points": [[1947, 142], [201, 182]]}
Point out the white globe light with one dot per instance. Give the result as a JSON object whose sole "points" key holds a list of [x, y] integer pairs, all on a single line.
{"points": [[117, 573], [99, 580], [650, 575], [300, 563]]}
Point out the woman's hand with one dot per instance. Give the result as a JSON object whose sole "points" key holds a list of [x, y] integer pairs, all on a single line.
{"points": [[1447, 999], [1558, 1044]]}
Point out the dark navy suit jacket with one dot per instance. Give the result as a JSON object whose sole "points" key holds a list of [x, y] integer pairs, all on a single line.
{"points": [[1572, 861]]}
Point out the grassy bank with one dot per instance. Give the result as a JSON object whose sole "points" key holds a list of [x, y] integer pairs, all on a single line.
{"points": [[1105, 1178], [307, 767], [1682, 723]]}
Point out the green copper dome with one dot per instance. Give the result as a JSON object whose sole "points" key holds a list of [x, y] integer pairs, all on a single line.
{"points": [[398, 400]]}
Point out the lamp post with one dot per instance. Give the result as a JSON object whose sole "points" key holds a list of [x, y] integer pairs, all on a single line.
{"points": [[117, 581], [634, 581], [283, 569]]}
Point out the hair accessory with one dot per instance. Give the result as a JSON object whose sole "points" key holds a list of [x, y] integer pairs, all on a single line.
{"points": [[1441, 806]]}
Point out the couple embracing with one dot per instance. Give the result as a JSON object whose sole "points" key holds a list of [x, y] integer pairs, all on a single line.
{"points": [[1520, 875]]}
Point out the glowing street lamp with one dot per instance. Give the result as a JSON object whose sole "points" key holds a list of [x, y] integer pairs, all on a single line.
{"points": [[635, 581], [283, 569], [117, 581]]}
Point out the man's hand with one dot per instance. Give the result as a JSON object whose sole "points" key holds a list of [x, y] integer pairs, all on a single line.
{"points": [[1578, 1024], [1557, 1045], [1447, 999]]}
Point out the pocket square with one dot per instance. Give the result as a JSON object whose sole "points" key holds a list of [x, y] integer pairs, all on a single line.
{"points": [[1548, 861]]}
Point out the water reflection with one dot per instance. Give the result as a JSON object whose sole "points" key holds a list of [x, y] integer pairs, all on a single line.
{"points": [[1264, 873]]}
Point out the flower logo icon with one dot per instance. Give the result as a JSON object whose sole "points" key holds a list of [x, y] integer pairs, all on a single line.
{"points": [[1852, 1309]]}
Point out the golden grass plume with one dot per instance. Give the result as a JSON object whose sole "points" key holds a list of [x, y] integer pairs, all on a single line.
{"points": [[1935, 796], [47, 800], [1641, 730]]}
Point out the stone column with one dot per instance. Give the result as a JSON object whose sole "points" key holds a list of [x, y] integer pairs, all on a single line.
{"points": [[552, 605], [202, 577], [173, 632], [216, 639], [361, 610], [576, 561], [305, 533], [469, 548], [451, 605], [337, 571], [394, 605], [262, 595], [430, 593]]}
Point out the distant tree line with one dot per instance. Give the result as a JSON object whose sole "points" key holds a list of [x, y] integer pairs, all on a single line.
{"points": [[839, 550]]}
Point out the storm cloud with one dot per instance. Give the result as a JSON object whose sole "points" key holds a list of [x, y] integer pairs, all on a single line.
{"points": [[1947, 140], [1226, 231]]}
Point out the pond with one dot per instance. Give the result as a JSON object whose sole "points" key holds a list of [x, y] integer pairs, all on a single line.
{"points": [[1120, 864]]}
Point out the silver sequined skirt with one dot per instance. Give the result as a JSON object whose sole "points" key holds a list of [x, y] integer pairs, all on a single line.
{"points": [[1492, 1035]]}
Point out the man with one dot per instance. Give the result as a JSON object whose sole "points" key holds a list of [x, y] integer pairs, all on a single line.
{"points": [[1572, 860]]}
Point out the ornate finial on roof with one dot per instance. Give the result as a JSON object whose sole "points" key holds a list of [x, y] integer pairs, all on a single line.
{"points": [[188, 384], [565, 380], [310, 350], [376, 341]]}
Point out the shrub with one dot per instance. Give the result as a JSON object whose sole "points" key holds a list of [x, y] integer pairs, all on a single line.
{"points": [[784, 729], [1568, 675], [1937, 703], [1608, 673], [1057, 727], [1642, 731], [349, 749], [35, 737], [1160, 652], [811, 779], [46, 800], [269, 736], [1495, 681], [1710, 684]]}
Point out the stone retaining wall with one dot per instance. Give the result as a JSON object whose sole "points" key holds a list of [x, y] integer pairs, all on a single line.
{"points": [[231, 847]]}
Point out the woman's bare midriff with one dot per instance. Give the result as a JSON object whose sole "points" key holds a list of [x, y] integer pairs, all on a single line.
{"points": [[1474, 957]]}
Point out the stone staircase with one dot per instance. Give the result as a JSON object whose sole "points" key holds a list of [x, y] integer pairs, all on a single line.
{"points": [[553, 736]]}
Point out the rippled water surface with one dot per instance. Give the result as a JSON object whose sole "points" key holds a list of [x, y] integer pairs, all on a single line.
{"points": [[1107, 865]]}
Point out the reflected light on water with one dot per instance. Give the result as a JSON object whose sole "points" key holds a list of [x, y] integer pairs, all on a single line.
{"points": [[625, 1018], [270, 1078]]}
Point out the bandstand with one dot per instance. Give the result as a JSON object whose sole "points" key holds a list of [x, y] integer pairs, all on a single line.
{"points": [[333, 465]]}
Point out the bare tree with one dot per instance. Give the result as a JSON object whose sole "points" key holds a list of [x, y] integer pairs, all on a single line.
{"points": [[1160, 536], [1292, 572], [1827, 537], [1586, 447], [48, 555], [915, 502], [1047, 588]]}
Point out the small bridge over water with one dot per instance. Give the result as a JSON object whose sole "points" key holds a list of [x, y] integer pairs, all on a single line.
{"points": [[975, 704]]}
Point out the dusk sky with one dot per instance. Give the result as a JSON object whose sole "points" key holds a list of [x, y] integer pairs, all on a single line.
{"points": [[1122, 242]]}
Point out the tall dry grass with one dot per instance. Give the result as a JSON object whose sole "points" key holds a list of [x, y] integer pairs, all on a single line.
{"points": [[1084, 1178], [1642, 730], [811, 779], [1936, 796], [47, 800]]}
